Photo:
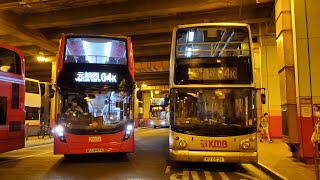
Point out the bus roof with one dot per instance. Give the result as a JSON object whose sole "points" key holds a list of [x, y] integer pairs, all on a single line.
{"points": [[95, 36], [212, 24]]}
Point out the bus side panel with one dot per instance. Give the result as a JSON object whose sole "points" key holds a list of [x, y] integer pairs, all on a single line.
{"points": [[128, 145], [12, 130], [130, 57]]}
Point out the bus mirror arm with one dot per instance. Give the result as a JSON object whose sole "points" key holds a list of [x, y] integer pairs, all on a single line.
{"points": [[51, 93]]}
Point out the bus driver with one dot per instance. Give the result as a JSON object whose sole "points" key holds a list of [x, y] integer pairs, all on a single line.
{"points": [[74, 108]]}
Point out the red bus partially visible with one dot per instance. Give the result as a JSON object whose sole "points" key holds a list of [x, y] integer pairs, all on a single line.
{"points": [[96, 72], [12, 112]]}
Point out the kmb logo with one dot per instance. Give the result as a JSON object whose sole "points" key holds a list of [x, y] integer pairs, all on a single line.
{"points": [[214, 143], [95, 139]]}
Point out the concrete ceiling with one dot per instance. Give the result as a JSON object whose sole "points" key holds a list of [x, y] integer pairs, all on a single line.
{"points": [[36, 25]]}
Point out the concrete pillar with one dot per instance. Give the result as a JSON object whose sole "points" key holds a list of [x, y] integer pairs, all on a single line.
{"points": [[146, 106], [270, 81], [257, 73], [298, 42], [53, 100]]}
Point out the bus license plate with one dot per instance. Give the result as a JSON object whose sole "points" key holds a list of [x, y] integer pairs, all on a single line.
{"points": [[213, 159], [95, 150]]}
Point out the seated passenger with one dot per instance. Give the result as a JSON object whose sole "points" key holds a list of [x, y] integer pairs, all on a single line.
{"points": [[82, 59], [74, 108]]}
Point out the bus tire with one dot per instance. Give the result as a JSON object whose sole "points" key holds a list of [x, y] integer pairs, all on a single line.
{"points": [[68, 156]]}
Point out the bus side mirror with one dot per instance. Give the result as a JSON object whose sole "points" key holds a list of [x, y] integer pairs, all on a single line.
{"points": [[51, 93], [139, 95], [263, 98]]}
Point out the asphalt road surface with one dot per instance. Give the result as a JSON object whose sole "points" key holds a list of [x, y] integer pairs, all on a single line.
{"points": [[150, 161]]}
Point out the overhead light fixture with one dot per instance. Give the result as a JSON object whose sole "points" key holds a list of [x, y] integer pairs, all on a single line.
{"points": [[143, 85], [190, 36], [156, 92], [41, 57]]}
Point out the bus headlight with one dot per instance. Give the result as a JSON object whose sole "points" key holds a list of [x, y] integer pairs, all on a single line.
{"points": [[58, 130], [151, 123], [163, 123], [128, 132], [182, 143], [129, 127], [246, 145]]}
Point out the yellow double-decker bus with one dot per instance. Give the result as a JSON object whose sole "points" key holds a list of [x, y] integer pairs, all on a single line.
{"points": [[213, 114]]}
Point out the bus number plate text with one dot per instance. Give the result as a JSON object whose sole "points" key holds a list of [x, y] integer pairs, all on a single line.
{"points": [[95, 150], [213, 159]]}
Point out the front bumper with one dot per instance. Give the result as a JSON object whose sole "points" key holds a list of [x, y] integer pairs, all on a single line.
{"points": [[198, 156]]}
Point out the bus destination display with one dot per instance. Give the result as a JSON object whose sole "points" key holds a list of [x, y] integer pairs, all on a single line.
{"points": [[96, 77], [220, 73]]}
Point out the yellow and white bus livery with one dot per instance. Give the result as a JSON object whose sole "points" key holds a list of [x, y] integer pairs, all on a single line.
{"points": [[213, 113]]}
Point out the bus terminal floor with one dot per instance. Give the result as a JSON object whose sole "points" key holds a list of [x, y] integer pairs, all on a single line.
{"points": [[150, 161], [278, 157]]}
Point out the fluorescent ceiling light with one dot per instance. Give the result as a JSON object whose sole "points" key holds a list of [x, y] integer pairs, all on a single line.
{"points": [[190, 36]]}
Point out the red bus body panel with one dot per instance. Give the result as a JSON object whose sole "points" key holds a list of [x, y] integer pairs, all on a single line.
{"points": [[12, 133], [78, 144]]}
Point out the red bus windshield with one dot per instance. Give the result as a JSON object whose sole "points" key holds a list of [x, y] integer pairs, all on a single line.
{"points": [[98, 111]]}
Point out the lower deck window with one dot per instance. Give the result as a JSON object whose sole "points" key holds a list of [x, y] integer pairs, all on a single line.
{"points": [[32, 113]]}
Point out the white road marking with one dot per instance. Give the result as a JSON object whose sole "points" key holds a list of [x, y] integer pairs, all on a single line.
{"points": [[2, 162], [208, 175], [223, 176], [194, 175], [245, 175], [168, 170]]}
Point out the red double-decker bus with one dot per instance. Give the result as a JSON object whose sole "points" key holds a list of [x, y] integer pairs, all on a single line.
{"points": [[94, 95], [12, 112]]}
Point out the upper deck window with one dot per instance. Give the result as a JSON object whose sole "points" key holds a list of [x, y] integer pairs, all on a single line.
{"points": [[95, 51], [9, 61], [32, 87], [214, 41]]}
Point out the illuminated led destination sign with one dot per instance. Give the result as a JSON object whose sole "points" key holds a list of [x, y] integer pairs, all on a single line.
{"points": [[96, 77], [220, 73]]}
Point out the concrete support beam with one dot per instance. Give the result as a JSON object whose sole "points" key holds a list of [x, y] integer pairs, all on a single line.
{"points": [[151, 50], [10, 25], [129, 10], [249, 15], [13, 41], [151, 39], [142, 67], [152, 58]]}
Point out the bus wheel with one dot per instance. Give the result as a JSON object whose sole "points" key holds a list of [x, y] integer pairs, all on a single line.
{"points": [[68, 156], [155, 127]]}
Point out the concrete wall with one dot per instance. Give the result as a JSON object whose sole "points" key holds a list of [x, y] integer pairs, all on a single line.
{"points": [[270, 81]]}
